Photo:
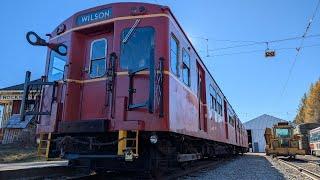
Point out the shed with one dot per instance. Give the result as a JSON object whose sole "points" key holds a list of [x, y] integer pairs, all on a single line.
{"points": [[256, 128]]}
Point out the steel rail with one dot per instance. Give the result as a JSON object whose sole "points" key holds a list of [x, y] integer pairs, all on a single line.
{"points": [[304, 171]]}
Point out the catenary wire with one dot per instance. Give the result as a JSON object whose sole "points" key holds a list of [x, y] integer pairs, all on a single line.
{"points": [[262, 50], [264, 42], [299, 48]]}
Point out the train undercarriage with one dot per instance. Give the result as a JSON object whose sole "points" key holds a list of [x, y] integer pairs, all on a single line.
{"points": [[136, 151]]}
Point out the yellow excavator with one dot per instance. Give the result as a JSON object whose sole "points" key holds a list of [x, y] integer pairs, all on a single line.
{"points": [[280, 141]]}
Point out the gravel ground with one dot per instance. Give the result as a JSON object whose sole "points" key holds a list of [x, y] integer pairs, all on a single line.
{"points": [[13, 153], [249, 166]]}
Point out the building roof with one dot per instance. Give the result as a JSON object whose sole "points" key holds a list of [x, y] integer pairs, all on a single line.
{"points": [[15, 122], [262, 122], [18, 87]]}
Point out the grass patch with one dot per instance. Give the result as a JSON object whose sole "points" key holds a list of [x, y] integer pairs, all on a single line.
{"points": [[12, 153]]}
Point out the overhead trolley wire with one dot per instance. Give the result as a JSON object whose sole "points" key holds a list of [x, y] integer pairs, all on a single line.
{"points": [[299, 48], [264, 42], [225, 40], [263, 50]]}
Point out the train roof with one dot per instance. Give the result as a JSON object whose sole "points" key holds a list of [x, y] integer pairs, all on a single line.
{"points": [[154, 8], [315, 130]]}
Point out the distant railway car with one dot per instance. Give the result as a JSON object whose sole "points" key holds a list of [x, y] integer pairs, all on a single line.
{"points": [[124, 88], [303, 131], [315, 141], [280, 141]]}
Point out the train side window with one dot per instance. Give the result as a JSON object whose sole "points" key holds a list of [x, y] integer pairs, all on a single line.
{"points": [[186, 67], [174, 55], [230, 116], [219, 104], [56, 67], [213, 98], [98, 58]]}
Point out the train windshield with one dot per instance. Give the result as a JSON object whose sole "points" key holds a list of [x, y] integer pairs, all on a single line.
{"points": [[56, 67], [314, 137], [137, 48], [283, 133]]}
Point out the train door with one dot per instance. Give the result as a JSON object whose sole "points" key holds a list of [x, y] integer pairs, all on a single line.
{"points": [[226, 118], [137, 56], [94, 84], [202, 99]]}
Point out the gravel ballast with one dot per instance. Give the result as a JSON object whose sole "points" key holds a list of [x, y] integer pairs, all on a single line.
{"points": [[248, 166]]}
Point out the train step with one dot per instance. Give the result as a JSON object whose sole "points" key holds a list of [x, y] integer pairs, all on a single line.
{"points": [[44, 145], [128, 144]]}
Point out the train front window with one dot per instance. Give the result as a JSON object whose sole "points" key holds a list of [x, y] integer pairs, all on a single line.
{"points": [[283, 133], [98, 58], [137, 50], [56, 67]]}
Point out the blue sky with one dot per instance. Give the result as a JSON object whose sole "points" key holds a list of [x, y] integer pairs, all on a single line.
{"points": [[253, 84]]}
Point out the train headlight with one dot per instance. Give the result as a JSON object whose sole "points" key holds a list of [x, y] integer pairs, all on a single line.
{"points": [[153, 139]]}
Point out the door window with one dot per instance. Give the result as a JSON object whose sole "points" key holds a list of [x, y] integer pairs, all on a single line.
{"points": [[98, 58]]}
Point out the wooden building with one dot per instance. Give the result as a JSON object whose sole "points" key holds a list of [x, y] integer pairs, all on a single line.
{"points": [[11, 128]]}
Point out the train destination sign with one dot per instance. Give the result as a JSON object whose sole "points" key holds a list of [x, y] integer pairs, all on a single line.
{"points": [[94, 16]]}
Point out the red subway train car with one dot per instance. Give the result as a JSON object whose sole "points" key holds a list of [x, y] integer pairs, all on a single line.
{"points": [[125, 88]]}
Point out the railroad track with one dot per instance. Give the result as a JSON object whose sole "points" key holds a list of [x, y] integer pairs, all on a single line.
{"points": [[310, 174], [65, 172]]}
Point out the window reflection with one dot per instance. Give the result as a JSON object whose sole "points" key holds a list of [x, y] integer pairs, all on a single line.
{"points": [[138, 51]]}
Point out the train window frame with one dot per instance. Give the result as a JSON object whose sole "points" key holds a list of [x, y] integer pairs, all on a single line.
{"points": [[213, 98], [231, 118], [186, 65], [98, 59], [127, 65], [53, 55], [175, 39], [219, 105]]}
